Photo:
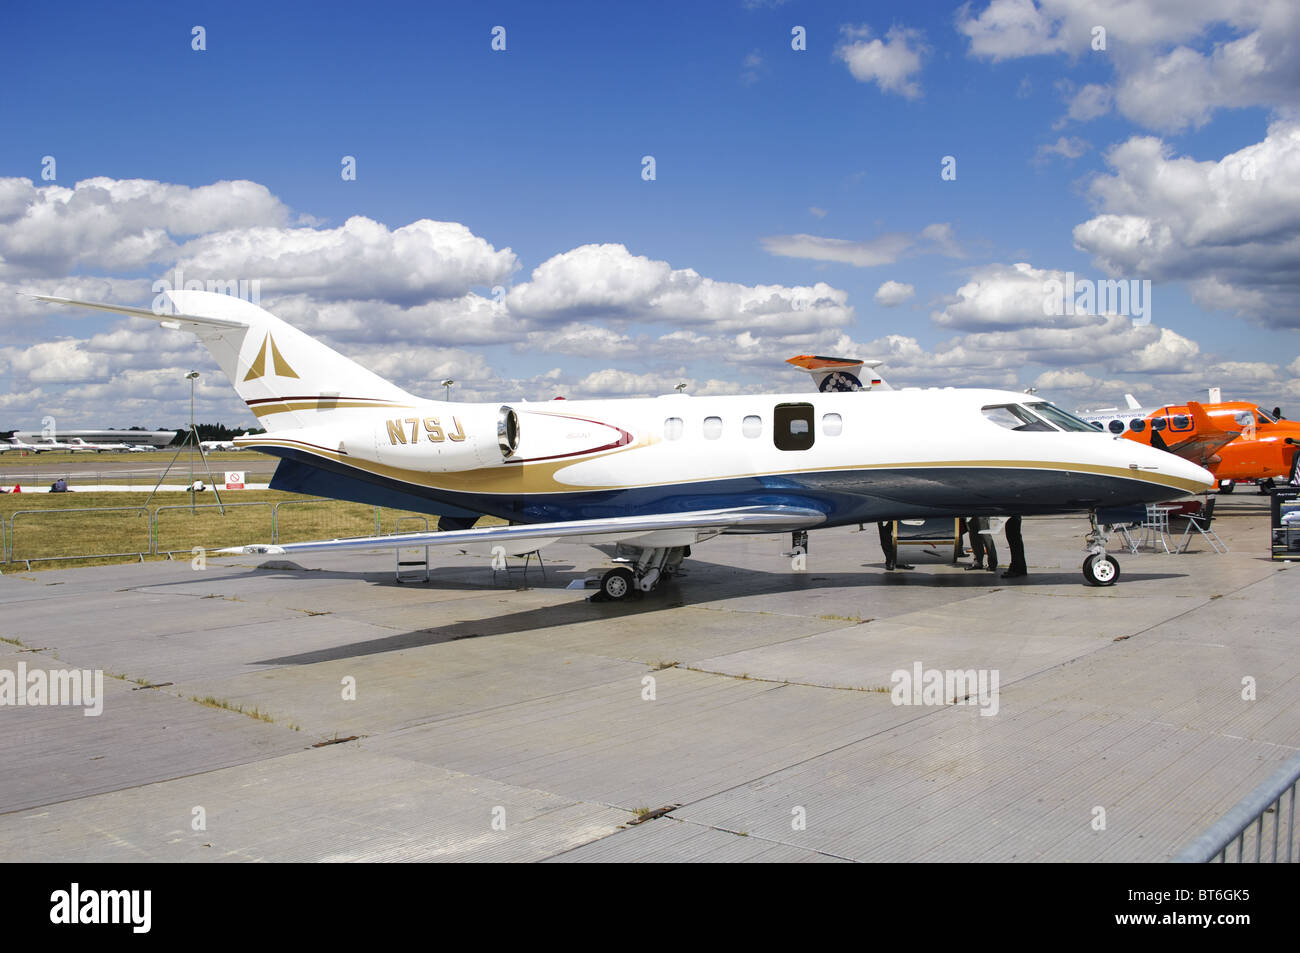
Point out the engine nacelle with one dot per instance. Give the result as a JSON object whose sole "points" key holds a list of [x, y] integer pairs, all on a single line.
{"points": [[457, 437]]}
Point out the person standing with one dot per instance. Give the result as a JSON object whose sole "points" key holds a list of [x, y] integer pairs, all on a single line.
{"points": [[981, 544], [890, 547], [1016, 544]]}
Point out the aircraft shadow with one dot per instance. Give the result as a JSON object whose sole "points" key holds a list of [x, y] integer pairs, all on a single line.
{"points": [[702, 587]]}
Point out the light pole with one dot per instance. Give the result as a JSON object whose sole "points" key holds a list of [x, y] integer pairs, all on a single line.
{"points": [[447, 388], [680, 388], [192, 376]]}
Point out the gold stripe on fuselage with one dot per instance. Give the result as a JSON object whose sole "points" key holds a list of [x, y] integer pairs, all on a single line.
{"points": [[534, 478], [319, 403]]}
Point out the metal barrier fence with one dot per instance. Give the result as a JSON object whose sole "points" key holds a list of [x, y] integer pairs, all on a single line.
{"points": [[125, 479], [308, 520], [39, 535], [1245, 824], [50, 533], [209, 526]]}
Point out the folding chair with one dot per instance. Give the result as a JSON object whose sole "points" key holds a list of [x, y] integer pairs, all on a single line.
{"points": [[1201, 523], [1121, 519]]}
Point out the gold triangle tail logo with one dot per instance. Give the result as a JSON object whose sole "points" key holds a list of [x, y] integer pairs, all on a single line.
{"points": [[278, 363], [282, 368]]}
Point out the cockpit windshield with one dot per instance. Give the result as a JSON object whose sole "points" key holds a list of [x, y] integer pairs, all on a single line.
{"points": [[1062, 419], [1014, 417], [1264, 418], [1039, 415]]}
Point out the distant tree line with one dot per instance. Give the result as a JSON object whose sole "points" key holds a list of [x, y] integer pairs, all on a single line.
{"points": [[216, 431]]}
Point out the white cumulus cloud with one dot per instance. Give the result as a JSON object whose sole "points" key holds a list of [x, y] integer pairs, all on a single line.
{"points": [[891, 63], [893, 293], [1231, 227]]}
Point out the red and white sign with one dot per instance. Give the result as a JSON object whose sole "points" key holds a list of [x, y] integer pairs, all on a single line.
{"points": [[234, 479]]}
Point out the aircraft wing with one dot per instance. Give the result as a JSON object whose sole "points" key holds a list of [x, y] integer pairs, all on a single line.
{"points": [[1206, 439], [664, 529]]}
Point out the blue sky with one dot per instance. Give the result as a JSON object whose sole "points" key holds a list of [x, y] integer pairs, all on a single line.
{"points": [[772, 166]]}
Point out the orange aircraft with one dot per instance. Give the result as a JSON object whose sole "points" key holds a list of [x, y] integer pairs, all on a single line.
{"points": [[1235, 440]]}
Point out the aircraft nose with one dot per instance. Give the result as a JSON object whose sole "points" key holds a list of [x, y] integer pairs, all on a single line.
{"points": [[1183, 470]]}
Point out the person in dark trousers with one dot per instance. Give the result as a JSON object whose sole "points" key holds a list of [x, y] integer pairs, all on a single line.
{"points": [[887, 544], [981, 544], [1017, 545]]}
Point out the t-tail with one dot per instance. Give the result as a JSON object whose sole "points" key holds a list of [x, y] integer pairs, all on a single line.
{"points": [[289, 380], [841, 373]]}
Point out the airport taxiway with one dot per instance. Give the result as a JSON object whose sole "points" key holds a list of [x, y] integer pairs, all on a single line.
{"points": [[497, 723]]}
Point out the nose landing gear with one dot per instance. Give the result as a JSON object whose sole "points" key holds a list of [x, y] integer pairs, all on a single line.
{"points": [[1099, 569]]}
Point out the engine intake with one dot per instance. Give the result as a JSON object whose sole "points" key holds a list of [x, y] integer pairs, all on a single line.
{"points": [[507, 432]]}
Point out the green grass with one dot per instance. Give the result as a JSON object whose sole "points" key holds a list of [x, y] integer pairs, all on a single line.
{"points": [[150, 458], [210, 701], [120, 523]]}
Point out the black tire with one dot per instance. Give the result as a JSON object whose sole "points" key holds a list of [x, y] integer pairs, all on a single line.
{"points": [[1265, 486], [617, 584], [1227, 486], [1100, 570]]}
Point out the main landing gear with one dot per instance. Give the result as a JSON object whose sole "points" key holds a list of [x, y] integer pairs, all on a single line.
{"points": [[1099, 569], [642, 575]]}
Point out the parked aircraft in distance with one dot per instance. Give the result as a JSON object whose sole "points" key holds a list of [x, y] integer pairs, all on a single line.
{"points": [[14, 444], [210, 446], [657, 475], [76, 444], [1235, 440], [47, 444]]}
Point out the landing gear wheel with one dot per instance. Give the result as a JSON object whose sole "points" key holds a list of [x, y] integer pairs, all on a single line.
{"points": [[1227, 486], [1100, 570], [617, 584]]}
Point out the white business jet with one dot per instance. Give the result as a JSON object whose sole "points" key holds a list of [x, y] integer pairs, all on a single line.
{"points": [[78, 444], [14, 444], [662, 474]]}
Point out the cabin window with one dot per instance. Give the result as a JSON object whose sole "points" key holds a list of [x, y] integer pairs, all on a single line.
{"points": [[1116, 426], [793, 426], [832, 425], [712, 428], [751, 426], [673, 428], [1138, 425], [1014, 417], [1157, 424], [1180, 422]]}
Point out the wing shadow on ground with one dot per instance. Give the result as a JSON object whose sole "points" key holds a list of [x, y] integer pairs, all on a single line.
{"points": [[707, 583]]}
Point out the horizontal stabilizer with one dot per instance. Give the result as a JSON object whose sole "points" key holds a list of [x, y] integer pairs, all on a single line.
{"points": [[164, 318], [840, 373]]}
